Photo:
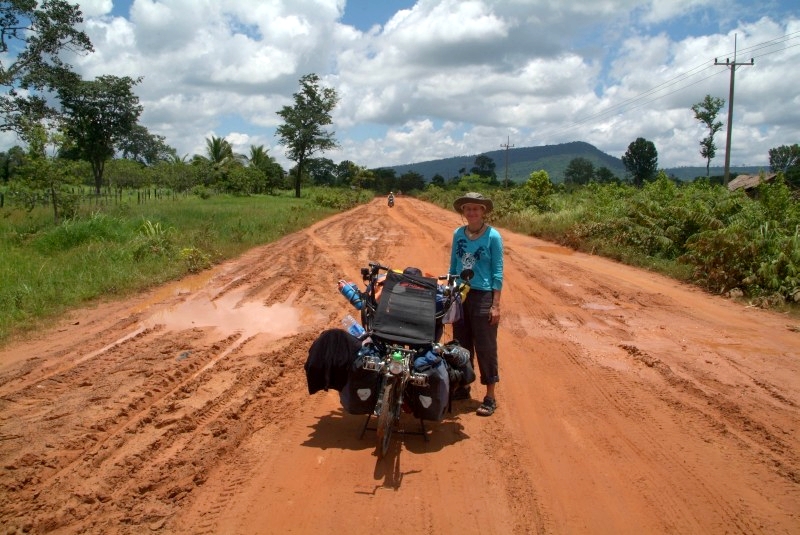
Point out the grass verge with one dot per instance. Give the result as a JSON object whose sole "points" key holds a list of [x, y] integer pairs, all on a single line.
{"points": [[123, 249]]}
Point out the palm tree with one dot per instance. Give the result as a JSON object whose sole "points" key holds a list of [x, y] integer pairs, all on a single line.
{"points": [[174, 158], [260, 158], [218, 150]]}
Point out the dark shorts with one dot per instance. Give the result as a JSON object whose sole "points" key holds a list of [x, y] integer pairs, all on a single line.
{"points": [[475, 333]]}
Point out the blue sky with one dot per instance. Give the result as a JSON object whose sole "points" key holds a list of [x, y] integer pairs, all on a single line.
{"points": [[364, 14], [439, 78]]}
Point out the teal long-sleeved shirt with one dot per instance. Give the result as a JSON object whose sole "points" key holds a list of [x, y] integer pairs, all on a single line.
{"points": [[483, 255]]}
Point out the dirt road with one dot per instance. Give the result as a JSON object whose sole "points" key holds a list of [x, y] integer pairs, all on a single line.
{"points": [[628, 403]]}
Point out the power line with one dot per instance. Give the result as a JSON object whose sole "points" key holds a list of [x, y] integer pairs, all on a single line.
{"points": [[507, 146], [732, 65], [682, 77], [764, 44]]}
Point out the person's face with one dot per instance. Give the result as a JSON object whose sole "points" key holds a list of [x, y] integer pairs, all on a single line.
{"points": [[473, 212]]}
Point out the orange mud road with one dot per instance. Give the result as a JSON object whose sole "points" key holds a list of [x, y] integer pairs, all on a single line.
{"points": [[628, 403]]}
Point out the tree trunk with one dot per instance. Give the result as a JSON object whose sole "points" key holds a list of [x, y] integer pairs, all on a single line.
{"points": [[298, 177], [97, 171]]}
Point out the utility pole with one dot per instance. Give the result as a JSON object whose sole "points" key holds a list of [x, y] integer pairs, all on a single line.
{"points": [[507, 146], [732, 66]]}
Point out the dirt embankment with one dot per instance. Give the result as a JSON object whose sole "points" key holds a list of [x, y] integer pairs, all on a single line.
{"points": [[628, 403]]}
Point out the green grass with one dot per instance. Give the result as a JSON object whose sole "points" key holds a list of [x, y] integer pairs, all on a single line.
{"points": [[122, 249]]}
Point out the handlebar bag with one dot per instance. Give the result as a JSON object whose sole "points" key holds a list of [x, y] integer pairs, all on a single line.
{"points": [[407, 310]]}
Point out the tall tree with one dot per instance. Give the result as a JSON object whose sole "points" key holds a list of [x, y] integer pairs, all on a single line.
{"points": [[604, 175], [303, 131], [641, 161], [579, 171], [32, 37], [786, 159], [410, 181], [322, 171], [485, 167], [146, 148], [100, 115], [259, 157], [783, 157], [706, 112], [346, 173], [10, 161], [40, 173], [438, 180], [385, 179]]}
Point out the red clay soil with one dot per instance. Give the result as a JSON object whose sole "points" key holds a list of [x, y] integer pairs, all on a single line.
{"points": [[628, 403]]}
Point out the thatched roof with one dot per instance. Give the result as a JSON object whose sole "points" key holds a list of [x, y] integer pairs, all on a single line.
{"points": [[748, 182]]}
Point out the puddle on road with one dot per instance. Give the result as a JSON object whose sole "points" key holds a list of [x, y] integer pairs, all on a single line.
{"points": [[188, 284], [229, 315]]}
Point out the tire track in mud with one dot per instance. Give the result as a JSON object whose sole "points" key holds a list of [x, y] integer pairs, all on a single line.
{"points": [[614, 389], [642, 453], [265, 404], [575, 328], [160, 413], [749, 434], [528, 514], [92, 441], [173, 457]]}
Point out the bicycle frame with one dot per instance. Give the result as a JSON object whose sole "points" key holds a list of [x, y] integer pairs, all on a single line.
{"points": [[395, 361]]}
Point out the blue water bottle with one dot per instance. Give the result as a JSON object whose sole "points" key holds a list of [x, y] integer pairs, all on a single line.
{"points": [[351, 293]]}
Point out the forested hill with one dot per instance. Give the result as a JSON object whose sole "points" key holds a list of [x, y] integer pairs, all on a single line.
{"points": [[552, 158]]}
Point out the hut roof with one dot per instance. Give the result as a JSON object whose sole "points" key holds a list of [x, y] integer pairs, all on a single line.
{"points": [[748, 182]]}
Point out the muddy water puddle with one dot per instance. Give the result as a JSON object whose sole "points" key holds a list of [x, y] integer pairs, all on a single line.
{"points": [[229, 315]]}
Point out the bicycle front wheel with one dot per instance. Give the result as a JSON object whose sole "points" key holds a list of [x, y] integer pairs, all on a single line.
{"points": [[386, 418]]}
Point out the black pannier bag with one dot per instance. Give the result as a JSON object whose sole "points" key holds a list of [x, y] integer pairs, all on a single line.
{"points": [[429, 402], [407, 310], [360, 393], [459, 365]]}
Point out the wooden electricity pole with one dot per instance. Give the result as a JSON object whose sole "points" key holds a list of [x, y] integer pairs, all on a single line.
{"points": [[507, 146], [732, 65]]}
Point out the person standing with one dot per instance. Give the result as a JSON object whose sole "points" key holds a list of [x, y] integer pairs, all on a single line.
{"points": [[479, 247]]}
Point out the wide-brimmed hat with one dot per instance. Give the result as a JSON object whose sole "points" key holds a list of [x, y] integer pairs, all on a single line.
{"points": [[473, 198]]}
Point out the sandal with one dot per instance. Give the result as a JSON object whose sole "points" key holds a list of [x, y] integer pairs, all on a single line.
{"points": [[487, 408]]}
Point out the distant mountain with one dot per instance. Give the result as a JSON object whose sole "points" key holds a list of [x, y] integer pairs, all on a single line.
{"points": [[690, 173], [552, 158]]}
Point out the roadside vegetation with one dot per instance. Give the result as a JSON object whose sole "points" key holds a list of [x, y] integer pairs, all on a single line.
{"points": [[118, 248], [729, 243]]}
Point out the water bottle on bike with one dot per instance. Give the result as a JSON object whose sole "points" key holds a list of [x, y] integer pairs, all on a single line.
{"points": [[350, 291]]}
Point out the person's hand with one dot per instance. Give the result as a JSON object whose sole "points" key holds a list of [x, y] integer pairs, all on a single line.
{"points": [[494, 315]]}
